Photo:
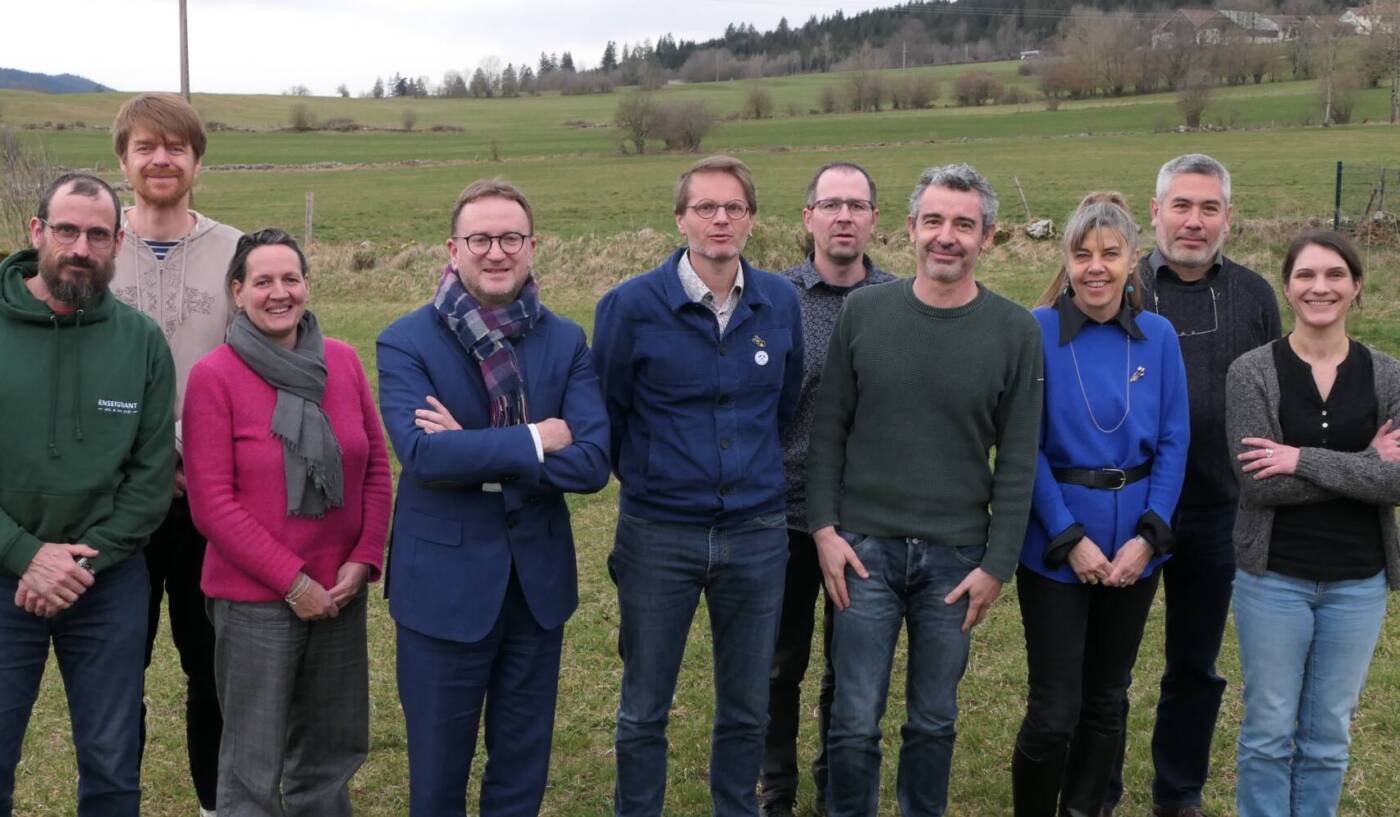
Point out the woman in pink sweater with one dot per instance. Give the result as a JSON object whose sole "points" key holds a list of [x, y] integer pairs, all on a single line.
{"points": [[288, 478]]}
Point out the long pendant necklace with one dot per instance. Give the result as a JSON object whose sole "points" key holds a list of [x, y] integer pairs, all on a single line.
{"points": [[1127, 391]]}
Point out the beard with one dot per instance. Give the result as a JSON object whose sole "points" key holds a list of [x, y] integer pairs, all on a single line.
{"points": [[86, 278], [1189, 258], [157, 198]]}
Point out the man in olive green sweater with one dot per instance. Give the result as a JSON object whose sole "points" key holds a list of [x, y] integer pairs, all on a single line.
{"points": [[923, 379], [87, 391]]}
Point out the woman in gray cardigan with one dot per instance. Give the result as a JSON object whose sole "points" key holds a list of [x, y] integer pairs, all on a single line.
{"points": [[1316, 544]]}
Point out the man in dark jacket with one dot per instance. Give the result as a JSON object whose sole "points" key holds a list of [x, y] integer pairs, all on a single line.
{"points": [[701, 362], [1221, 309], [87, 389]]}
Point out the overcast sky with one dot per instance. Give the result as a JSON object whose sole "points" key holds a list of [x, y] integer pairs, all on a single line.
{"points": [[266, 46]]}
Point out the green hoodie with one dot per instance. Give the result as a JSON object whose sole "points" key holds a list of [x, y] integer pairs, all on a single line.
{"points": [[86, 424]]}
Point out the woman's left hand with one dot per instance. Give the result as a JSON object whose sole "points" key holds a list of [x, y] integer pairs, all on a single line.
{"points": [[1128, 565], [435, 418], [1268, 458], [348, 581]]}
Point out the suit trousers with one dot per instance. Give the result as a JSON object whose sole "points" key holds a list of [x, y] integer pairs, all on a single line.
{"points": [[514, 670]]}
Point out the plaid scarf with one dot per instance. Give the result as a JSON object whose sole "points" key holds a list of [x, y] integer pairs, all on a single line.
{"points": [[487, 334]]}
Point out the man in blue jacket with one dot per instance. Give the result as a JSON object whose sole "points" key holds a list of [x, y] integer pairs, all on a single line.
{"points": [[493, 408], [701, 364]]}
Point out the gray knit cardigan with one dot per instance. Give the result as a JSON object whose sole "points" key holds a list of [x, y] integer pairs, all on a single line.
{"points": [[1252, 398]]}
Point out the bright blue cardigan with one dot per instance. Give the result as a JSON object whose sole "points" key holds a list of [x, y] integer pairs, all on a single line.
{"points": [[1157, 429]]}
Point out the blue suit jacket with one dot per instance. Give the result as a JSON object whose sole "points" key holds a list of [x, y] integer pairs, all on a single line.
{"points": [[453, 543]]}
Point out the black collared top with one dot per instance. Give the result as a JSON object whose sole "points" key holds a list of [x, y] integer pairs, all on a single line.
{"points": [[1072, 319]]}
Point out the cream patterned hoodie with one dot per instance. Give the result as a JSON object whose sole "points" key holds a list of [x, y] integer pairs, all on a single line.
{"points": [[185, 293]]}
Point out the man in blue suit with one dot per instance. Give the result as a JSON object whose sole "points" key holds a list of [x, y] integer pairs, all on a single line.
{"points": [[494, 410]]}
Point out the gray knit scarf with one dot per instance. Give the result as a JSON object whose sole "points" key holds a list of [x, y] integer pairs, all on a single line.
{"points": [[310, 452]]}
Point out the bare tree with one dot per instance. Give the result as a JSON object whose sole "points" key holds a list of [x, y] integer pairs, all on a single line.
{"points": [[27, 172], [1193, 95], [343, 90], [1103, 43], [758, 103], [1325, 45], [683, 125], [637, 116]]}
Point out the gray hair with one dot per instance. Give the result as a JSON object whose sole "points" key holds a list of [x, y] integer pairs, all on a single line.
{"points": [[1197, 163], [957, 177], [848, 166]]}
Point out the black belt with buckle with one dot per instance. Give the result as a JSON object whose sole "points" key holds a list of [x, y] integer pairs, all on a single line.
{"points": [[1108, 479]]}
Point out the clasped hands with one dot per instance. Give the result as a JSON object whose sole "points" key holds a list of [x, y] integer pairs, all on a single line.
{"points": [[314, 602], [54, 580], [554, 432], [1266, 458], [1092, 567]]}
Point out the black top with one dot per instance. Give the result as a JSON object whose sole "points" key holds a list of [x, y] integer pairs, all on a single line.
{"points": [[1338, 539], [1226, 313]]}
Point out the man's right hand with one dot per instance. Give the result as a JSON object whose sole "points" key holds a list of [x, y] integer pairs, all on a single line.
{"points": [[54, 576], [554, 434], [835, 555]]}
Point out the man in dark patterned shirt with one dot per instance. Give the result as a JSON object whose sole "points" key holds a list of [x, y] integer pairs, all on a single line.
{"points": [[840, 215]]}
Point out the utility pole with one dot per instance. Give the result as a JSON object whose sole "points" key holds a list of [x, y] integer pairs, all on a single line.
{"points": [[184, 53]]}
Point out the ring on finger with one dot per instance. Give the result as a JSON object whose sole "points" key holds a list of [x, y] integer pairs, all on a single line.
{"points": [[1268, 453]]}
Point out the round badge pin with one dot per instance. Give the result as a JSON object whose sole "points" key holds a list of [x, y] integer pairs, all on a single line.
{"points": [[760, 357]]}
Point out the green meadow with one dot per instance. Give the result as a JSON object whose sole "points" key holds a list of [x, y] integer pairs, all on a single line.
{"points": [[382, 199]]}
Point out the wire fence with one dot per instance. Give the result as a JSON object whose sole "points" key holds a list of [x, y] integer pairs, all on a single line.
{"points": [[1367, 202]]}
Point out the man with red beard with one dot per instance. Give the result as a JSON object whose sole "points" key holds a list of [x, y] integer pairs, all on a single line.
{"points": [[87, 391], [172, 267]]}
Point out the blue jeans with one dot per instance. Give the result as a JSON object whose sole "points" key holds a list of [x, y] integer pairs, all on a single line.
{"points": [[1305, 647], [660, 570], [908, 580], [100, 646]]}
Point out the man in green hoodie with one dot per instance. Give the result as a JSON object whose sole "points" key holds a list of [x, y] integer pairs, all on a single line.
{"points": [[87, 390]]}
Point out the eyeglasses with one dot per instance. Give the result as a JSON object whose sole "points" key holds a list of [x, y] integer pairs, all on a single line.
{"points": [[1191, 333], [99, 238], [707, 209], [831, 207], [480, 243]]}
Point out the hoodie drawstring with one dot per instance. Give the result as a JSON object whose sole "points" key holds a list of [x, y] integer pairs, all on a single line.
{"points": [[77, 375], [53, 390]]}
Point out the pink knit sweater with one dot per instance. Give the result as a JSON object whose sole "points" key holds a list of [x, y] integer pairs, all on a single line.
{"points": [[238, 491]]}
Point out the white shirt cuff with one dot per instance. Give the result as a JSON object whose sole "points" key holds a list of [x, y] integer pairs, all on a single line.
{"points": [[539, 446]]}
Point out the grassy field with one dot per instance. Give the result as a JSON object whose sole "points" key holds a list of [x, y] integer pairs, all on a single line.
{"points": [[603, 216]]}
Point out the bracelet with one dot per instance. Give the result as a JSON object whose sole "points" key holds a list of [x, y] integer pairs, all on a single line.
{"points": [[298, 588]]}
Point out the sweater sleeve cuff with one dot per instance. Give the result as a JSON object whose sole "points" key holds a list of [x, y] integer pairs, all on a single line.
{"points": [[1156, 533], [20, 553], [1057, 551]]}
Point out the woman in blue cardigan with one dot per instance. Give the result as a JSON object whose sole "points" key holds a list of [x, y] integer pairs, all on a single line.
{"points": [[1112, 458]]}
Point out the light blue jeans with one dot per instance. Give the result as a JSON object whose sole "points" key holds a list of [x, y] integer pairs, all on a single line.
{"points": [[1305, 648]]}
